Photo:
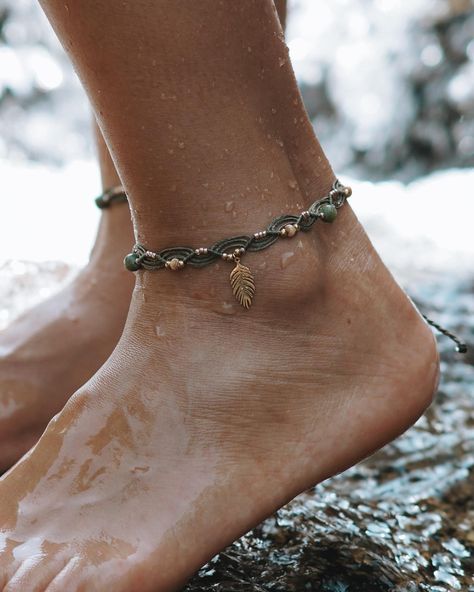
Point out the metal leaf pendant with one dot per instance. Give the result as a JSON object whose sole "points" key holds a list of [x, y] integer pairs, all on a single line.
{"points": [[243, 285]]}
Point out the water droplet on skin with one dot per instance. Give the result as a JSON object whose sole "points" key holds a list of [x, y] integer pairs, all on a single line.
{"points": [[281, 62], [228, 308], [229, 206], [181, 145], [170, 151], [292, 184], [159, 331], [263, 265], [249, 49], [274, 111], [280, 143], [286, 259], [140, 469]]}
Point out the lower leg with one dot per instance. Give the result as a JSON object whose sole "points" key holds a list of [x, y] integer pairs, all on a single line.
{"points": [[51, 350], [256, 104], [82, 301], [207, 418], [281, 6], [115, 227], [108, 172]]}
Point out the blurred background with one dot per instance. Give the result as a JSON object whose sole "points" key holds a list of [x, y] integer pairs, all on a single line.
{"points": [[389, 85]]}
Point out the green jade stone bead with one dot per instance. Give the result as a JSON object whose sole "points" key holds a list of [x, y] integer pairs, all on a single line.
{"points": [[328, 212], [99, 202], [130, 262]]}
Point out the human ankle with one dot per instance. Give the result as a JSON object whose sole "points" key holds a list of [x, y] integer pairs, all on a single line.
{"points": [[226, 201], [291, 276]]}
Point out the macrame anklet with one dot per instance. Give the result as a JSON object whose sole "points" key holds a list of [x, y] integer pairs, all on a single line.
{"points": [[234, 248], [111, 196]]}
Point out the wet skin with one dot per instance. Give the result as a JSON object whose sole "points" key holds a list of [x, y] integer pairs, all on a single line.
{"points": [[56, 347], [53, 349], [207, 418]]}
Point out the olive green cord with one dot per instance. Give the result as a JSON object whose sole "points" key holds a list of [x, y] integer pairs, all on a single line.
{"points": [[461, 347], [288, 225], [232, 249], [111, 196]]}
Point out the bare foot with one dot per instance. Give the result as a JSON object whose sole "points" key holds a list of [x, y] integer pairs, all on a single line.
{"points": [[53, 349], [208, 418]]}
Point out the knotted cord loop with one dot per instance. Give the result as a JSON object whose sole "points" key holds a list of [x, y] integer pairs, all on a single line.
{"points": [[142, 258], [113, 195], [231, 249]]}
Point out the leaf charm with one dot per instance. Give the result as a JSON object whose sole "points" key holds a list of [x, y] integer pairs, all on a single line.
{"points": [[243, 285]]}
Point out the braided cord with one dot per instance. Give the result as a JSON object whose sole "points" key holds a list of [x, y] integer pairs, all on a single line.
{"points": [[230, 249], [324, 209], [461, 347], [111, 196]]}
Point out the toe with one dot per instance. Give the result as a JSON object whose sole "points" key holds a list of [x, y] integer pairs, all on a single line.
{"points": [[8, 563], [69, 578], [34, 574]]}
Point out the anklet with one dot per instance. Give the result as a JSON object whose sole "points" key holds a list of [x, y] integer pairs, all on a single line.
{"points": [[111, 196], [461, 347], [232, 249]]}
